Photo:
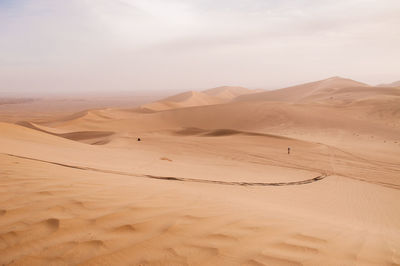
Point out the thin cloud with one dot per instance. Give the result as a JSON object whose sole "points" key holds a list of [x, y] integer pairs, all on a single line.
{"points": [[122, 44]]}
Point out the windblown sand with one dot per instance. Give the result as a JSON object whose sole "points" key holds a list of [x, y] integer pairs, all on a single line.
{"points": [[206, 185]]}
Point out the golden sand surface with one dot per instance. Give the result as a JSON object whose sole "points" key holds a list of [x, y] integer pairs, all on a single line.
{"points": [[211, 181]]}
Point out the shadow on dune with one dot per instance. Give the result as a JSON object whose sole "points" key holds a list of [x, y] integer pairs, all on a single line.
{"points": [[190, 131], [98, 137]]}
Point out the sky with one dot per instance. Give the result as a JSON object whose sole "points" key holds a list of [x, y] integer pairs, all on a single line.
{"points": [[95, 46]]}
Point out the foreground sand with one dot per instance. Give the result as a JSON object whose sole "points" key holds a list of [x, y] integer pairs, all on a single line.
{"points": [[73, 203]]}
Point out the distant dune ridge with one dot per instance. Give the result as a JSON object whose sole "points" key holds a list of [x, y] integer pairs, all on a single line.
{"points": [[303, 92], [193, 98], [335, 90], [393, 84], [228, 92], [303, 107], [15, 100], [211, 182]]}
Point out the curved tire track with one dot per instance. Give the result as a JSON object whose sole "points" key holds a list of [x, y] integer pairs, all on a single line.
{"points": [[181, 179], [236, 183]]}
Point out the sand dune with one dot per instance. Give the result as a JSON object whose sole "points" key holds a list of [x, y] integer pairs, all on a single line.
{"points": [[193, 98], [301, 92], [90, 137], [81, 216], [55, 108], [186, 99], [375, 120], [351, 94], [221, 133], [210, 183], [228, 92], [15, 101], [393, 84]]}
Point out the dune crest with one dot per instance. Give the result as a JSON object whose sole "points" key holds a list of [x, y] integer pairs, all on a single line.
{"points": [[229, 92], [185, 99], [212, 96], [300, 92], [90, 137], [393, 84]]}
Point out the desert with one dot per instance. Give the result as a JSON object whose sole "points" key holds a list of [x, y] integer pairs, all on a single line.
{"points": [[199, 132], [210, 183]]}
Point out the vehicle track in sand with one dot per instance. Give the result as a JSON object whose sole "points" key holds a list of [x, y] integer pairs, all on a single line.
{"points": [[180, 179], [333, 157]]}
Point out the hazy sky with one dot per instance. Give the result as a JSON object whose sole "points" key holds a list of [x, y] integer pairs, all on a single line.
{"points": [[72, 46]]}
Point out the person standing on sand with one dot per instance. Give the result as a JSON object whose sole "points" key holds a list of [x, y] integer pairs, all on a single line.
{"points": [[288, 150]]}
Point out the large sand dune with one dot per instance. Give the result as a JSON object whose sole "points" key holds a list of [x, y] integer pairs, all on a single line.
{"points": [[393, 84], [186, 99], [193, 98], [229, 92], [211, 181], [301, 92]]}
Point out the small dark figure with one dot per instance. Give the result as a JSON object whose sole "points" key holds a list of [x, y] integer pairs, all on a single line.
{"points": [[138, 139], [288, 150]]}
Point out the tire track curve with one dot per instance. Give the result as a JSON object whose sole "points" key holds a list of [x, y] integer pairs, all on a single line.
{"points": [[179, 179]]}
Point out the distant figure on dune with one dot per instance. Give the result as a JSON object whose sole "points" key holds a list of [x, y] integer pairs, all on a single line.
{"points": [[288, 150], [138, 139]]}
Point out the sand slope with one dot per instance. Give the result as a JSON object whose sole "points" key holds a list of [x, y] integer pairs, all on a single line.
{"points": [[229, 92], [74, 204], [209, 184], [351, 94], [300, 92], [393, 84], [193, 98], [91, 137], [186, 99]]}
